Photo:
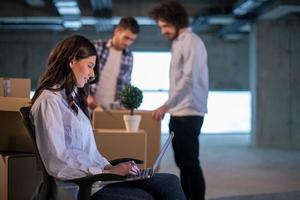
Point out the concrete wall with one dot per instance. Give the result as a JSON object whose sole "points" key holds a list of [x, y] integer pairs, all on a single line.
{"points": [[228, 63], [24, 54], [275, 78]]}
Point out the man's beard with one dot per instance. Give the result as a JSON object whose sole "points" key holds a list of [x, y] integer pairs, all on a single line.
{"points": [[116, 45], [171, 38]]}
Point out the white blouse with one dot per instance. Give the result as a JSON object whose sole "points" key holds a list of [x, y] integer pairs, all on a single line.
{"points": [[65, 139]]}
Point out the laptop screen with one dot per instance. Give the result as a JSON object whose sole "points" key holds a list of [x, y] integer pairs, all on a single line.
{"points": [[162, 151]]}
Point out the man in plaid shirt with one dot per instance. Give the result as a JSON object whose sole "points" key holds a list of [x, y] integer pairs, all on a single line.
{"points": [[115, 64]]}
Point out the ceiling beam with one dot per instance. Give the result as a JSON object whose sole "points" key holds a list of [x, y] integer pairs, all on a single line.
{"points": [[102, 8], [36, 3], [70, 12], [281, 8]]}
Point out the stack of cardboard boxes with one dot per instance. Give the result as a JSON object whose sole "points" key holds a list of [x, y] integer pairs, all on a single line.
{"points": [[18, 171]]}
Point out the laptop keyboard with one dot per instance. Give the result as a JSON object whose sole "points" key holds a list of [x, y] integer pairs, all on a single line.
{"points": [[145, 172]]}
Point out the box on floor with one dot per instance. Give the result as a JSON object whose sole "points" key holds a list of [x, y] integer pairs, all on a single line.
{"points": [[19, 176]]}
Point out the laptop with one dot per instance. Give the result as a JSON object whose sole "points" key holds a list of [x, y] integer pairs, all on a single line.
{"points": [[147, 172]]}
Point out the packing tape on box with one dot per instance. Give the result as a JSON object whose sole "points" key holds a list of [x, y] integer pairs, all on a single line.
{"points": [[7, 87]]}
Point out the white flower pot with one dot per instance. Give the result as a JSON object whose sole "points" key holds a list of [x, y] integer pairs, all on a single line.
{"points": [[132, 122]]}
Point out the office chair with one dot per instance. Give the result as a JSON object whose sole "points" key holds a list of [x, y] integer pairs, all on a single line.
{"points": [[48, 188]]}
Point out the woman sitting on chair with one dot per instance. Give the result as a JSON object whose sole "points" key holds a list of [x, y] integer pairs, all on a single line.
{"points": [[64, 133]]}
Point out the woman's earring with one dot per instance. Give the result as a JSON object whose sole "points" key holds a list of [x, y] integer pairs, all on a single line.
{"points": [[71, 65]]}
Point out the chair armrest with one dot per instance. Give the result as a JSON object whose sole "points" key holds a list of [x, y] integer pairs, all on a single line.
{"points": [[85, 183], [97, 177], [120, 160]]}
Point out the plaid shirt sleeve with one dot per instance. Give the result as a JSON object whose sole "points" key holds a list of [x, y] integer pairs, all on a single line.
{"points": [[102, 54]]}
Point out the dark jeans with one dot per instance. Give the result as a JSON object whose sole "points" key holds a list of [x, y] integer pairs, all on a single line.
{"points": [[161, 186], [186, 151]]}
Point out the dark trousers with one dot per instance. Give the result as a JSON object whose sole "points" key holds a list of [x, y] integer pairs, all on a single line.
{"points": [[186, 151], [161, 186]]}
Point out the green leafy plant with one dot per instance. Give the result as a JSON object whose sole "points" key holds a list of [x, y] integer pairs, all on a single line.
{"points": [[131, 98]]}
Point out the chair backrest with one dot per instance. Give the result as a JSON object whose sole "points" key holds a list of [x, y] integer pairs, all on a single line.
{"points": [[47, 188]]}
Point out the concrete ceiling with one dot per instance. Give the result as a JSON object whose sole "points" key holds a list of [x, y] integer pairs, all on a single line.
{"points": [[221, 17]]}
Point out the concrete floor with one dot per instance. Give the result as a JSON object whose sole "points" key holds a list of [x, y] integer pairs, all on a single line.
{"points": [[233, 168]]}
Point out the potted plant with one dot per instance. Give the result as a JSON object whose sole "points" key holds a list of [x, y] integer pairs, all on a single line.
{"points": [[131, 98]]}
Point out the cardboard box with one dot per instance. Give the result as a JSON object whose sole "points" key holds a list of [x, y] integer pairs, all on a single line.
{"points": [[114, 120], [117, 143], [13, 134], [19, 176], [15, 87]]}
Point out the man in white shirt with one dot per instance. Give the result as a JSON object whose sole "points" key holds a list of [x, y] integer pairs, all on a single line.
{"points": [[115, 64], [187, 102]]}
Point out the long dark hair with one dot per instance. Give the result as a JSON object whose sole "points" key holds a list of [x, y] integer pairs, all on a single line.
{"points": [[59, 72], [171, 12]]}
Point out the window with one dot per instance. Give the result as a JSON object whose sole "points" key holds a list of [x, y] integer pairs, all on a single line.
{"points": [[151, 70], [228, 112]]}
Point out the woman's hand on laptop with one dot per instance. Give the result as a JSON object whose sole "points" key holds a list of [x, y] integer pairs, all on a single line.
{"points": [[134, 168], [123, 169]]}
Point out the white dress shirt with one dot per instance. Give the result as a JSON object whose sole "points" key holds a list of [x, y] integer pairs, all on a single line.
{"points": [[65, 139], [188, 76]]}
